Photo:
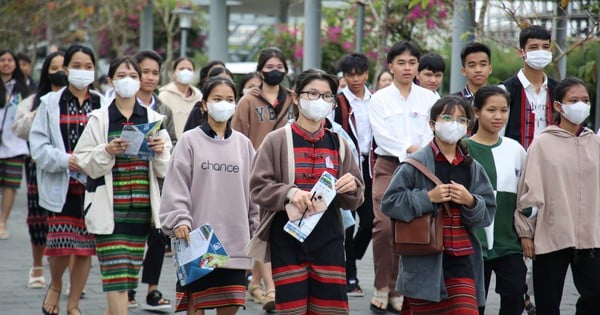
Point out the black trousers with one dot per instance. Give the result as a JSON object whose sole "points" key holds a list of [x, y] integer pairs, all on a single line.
{"points": [[549, 271], [510, 273], [355, 245], [155, 254]]}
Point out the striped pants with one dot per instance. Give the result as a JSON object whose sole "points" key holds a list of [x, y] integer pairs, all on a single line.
{"points": [[311, 283]]}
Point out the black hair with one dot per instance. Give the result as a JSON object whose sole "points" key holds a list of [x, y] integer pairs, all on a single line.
{"points": [[381, 74], [44, 85], [533, 31], [354, 63], [218, 71], [103, 79], [207, 67], [198, 115], [269, 53], [472, 48], [247, 77], [446, 105], [78, 48], [148, 54], [561, 89], [20, 85], [180, 59], [24, 57], [485, 92], [433, 62], [128, 60], [400, 47]]}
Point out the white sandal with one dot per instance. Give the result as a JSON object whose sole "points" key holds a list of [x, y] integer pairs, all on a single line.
{"points": [[36, 282]]}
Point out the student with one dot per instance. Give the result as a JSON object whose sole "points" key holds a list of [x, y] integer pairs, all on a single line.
{"points": [[195, 194], [431, 72], [13, 89], [384, 78], [352, 113], [26, 68], [56, 129], [122, 192], [399, 116], [287, 166], [502, 158], [450, 282], [557, 204], [476, 61], [180, 95], [52, 79], [206, 69], [531, 90], [248, 82], [259, 112], [149, 63]]}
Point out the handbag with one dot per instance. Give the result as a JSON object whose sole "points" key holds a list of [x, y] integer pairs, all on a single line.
{"points": [[422, 235]]}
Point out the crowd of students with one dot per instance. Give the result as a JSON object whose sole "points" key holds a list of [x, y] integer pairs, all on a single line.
{"points": [[519, 170]]}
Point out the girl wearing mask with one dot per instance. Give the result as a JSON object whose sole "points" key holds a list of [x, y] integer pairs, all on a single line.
{"points": [[194, 194], [502, 158], [557, 215], [450, 282], [52, 79], [180, 95], [55, 131], [309, 276], [248, 82], [122, 195], [13, 89], [259, 112]]}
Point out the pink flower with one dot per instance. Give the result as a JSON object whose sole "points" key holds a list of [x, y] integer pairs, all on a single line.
{"points": [[430, 24], [298, 53], [333, 33], [347, 46]]}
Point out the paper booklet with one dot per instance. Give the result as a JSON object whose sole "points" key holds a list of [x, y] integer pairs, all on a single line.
{"points": [[137, 137], [203, 254], [323, 193]]}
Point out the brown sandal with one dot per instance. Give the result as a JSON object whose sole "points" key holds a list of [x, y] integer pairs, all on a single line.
{"points": [[74, 309], [268, 301], [53, 308]]}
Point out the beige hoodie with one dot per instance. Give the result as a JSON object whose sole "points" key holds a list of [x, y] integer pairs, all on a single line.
{"points": [[561, 178], [179, 104]]}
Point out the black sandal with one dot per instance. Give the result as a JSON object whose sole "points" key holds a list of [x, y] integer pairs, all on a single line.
{"points": [[156, 302], [53, 307]]}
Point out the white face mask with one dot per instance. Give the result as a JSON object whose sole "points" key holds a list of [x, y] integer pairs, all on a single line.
{"points": [[80, 79], [184, 76], [245, 91], [221, 111], [577, 112], [126, 87], [450, 132], [315, 110], [538, 59]]}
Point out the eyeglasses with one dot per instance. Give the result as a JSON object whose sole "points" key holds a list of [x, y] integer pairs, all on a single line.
{"points": [[314, 95], [450, 118]]}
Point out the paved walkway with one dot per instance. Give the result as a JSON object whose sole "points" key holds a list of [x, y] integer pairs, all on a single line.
{"points": [[15, 261]]}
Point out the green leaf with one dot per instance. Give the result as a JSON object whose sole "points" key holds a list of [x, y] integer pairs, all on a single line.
{"points": [[414, 3]]}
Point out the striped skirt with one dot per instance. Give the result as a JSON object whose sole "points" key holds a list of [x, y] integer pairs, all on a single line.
{"points": [[11, 172], [37, 217], [220, 288], [121, 253]]}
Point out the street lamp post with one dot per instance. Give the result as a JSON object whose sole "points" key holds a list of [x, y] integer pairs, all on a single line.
{"points": [[185, 23]]}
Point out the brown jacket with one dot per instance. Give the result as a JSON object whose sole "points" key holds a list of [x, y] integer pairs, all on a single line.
{"points": [[255, 117], [561, 178], [272, 180]]}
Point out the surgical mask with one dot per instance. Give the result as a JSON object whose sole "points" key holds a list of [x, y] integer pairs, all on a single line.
{"points": [[576, 112], [126, 87], [450, 132], [273, 77], [58, 78], [184, 76], [221, 111], [245, 91], [538, 59], [315, 110], [80, 79]]}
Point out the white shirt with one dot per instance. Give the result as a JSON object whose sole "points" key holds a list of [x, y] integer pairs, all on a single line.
{"points": [[537, 101], [399, 123], [360, 111], [152, 104]]}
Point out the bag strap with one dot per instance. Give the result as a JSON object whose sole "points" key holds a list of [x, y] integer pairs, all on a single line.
{"points": [[425, 171]]}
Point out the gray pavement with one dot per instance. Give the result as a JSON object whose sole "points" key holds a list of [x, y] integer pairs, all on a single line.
{"points": [[16, 298]]}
